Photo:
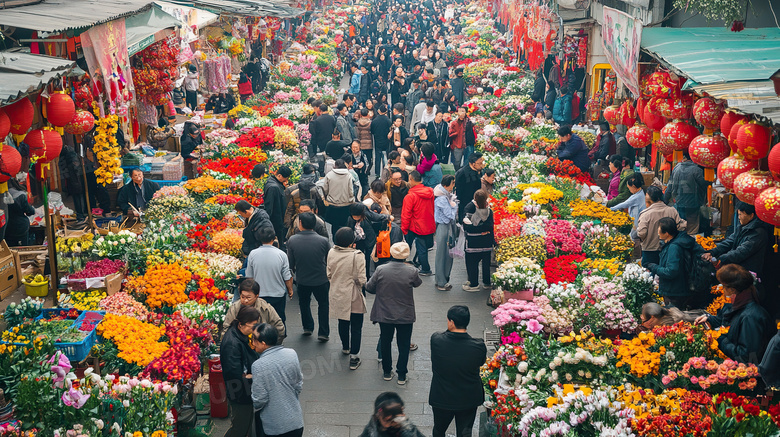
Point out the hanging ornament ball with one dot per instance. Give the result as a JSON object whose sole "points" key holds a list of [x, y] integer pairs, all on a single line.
{"points": [[639, 136], [753, 141], [5, 124], [748, 185], [21, 116], [60, 109], [45, 144], [677, 135], [627, 114], [611, 114], [768, 206], [653, 121], [774, 162], [708, 150], [82, 123], [734, 134], [731, 167], [728, 120], [708, 113], [10, 162]]}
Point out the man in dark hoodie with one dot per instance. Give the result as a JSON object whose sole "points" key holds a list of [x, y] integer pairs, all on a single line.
{"points": [[365, 84], [573, 149], [458, 86], [539, 85], [256, 219], [321, 129], [273, 200]]}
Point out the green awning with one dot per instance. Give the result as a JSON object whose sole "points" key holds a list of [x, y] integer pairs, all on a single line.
{"points": [[708, 55], [148, 27]]}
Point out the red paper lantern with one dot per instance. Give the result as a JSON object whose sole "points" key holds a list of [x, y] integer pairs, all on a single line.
{"points": [[45, 144], [708, 151], [728, 120], [753, 141], [10, 162], [708, 113], [82, 123], [661, 84], [653, 121], [748, 185], [5, 124], [641, 104], [627, 114], [734, 134], [657, 105], [639, 136], [675, 109], [60, 109], [677, 135], [768, 206], [774, 162], [611, 115], [21, 116], [731, 167]]}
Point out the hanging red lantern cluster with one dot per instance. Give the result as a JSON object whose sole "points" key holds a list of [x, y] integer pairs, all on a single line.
{"points": [[728, 120], [734, 134], [627, 114], [611, 115], [768, 207], [639, 136], [774, 162], [708, 113], [60, 109], [753, 140], [45, 144], [708, 150], [653, 121], [661, 84], [748, 185], [82, 123], [677, 135], [731, 167], [675, 109], [5, 124], [10, 162], [21, 116]]}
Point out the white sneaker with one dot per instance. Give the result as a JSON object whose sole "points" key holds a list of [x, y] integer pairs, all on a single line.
{"points": [[467, 287]]}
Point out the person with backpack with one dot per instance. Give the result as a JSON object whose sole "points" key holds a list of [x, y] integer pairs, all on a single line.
{"points": [[647, 224], [361, 220], [562, 108], [674, 267], [256, 219]]}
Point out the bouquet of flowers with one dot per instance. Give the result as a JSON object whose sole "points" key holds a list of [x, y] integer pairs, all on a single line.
{"points": [[562, 237], [604, 242], [562, 269], [517, 316], [528, 246], [607, 311], [113, 245], [638, 284], [520, 274]]}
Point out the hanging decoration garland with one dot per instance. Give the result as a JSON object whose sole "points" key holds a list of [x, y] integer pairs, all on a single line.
{"points": [[106, 149]]}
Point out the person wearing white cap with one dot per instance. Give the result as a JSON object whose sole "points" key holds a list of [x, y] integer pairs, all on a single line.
{"points": [[394, 283]]}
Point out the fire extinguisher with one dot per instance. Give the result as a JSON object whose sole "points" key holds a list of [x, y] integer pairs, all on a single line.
{"points": [[217, 391]]}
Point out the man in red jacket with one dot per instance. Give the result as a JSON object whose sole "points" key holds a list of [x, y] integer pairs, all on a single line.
{"points": [[417, 221]]}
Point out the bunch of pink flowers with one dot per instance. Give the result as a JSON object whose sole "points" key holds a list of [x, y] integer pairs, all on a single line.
{"points": [[523, 313], [563, 237]]}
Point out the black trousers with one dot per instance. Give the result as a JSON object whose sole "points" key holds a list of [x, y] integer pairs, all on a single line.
{"points": [[403, 340], [472, 267], [320, 292], [279, 304], [98, 194], [464, 421], [191, 98], [241, 418], [351, 333]]}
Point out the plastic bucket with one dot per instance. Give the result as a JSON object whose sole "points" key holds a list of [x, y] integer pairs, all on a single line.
{"points": [[37, 289]]}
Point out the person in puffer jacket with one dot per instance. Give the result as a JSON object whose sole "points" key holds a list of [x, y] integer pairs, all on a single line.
{"points": [[337, 190], [417, 221]]}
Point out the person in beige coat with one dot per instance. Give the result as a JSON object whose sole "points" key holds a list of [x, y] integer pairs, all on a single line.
{"points": [[646, 226], [249, 290], [347, 276], [378, 194]]}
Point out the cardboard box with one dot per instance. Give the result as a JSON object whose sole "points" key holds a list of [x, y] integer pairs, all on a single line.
{"points": [[111, 283], [9, 271]]}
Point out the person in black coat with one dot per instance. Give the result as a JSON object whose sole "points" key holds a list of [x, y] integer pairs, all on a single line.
{"points": [[190, 140], [478, 226], [71, 171], [336, 147], [468, 179], [380, 128], [137, 193], [458, 86], [747, 245], [439, 135], [674, 266], [256, 219], [17, 230], [237, 356], [549, 100], [539, 85], [456, 388], [274, 202], [321, 130], [750, 326], [365, 84]]}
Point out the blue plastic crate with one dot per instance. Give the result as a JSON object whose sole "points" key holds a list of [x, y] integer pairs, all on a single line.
{"points": [[101, 221], [78, 351], [169, 183]]}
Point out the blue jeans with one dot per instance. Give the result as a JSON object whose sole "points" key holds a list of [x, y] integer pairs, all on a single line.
{"points": [[467, 151], [422, 243]]}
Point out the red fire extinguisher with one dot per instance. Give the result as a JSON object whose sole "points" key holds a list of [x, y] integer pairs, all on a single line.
{"points": [[217, 391]]}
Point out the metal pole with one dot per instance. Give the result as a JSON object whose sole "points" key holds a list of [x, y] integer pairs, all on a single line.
{"points": [[51, 242]]}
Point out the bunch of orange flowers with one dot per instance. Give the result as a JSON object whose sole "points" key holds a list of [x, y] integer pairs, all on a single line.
{"points": [[137, 341], [636, 354], [165, 285], [206, 184]]}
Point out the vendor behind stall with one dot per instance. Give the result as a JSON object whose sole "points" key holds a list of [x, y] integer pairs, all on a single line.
{"points": [[137, 193], [190, 140], [221, 103], [18, 230]]}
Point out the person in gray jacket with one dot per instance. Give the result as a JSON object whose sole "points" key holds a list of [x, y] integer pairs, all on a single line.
{"points": [[688, 188], [277, 382], [394, 283]]}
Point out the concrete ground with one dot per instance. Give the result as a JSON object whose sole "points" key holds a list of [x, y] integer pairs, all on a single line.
{"points": [[338, 402]]}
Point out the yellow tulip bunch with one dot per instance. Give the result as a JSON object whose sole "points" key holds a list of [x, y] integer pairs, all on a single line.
{"points": [[106, 149]]}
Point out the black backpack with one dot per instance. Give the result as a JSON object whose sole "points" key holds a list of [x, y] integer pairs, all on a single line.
{"points": [[701, 274]]}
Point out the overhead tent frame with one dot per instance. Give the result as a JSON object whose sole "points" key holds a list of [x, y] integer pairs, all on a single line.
{"points": [[148, 27], [734, 66], [202, 17], [244, 8], [57, 16], [24, 73]]}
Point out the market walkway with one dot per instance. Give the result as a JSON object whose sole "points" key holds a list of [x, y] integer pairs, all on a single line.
{"points": [[338, 402]]}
